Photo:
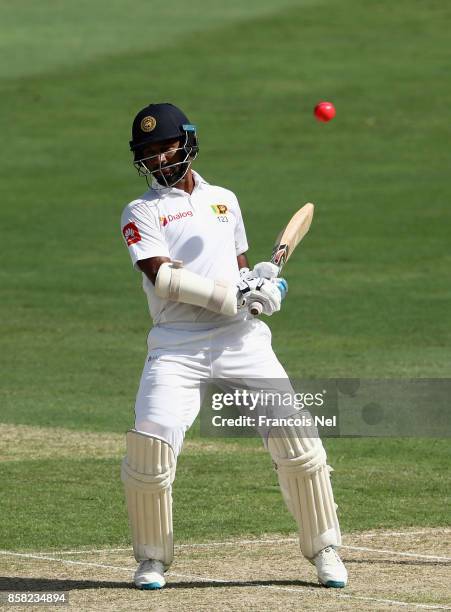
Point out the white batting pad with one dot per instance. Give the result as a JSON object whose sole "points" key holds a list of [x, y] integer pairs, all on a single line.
{"points": [[147, 472], [305, 483]]}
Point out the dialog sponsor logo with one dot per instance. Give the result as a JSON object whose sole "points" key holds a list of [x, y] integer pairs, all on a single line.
{"points": [[180, 215]]}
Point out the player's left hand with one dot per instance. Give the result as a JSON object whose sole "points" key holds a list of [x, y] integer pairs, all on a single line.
{"points": [[265, 269]]}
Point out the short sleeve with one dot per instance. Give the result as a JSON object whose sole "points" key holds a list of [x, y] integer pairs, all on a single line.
{"points": [[142, 233], [241, 245]]}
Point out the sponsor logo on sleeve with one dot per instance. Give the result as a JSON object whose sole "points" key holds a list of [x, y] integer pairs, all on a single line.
{"points": [[219, 209], [131, 233]]}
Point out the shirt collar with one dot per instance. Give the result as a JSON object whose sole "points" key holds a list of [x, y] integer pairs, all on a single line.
{"points": [[198, 180]]}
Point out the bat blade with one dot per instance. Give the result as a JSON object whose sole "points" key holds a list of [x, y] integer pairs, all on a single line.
{"points": [[292, 234], [287, 241]]}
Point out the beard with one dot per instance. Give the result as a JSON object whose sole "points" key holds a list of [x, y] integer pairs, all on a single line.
{"points": [[168, 176]]}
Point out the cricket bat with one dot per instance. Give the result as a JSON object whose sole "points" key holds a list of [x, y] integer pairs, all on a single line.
{"points": [[287, 241]]}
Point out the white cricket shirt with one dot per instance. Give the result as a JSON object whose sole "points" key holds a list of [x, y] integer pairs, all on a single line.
{"points": [[204, 229]]}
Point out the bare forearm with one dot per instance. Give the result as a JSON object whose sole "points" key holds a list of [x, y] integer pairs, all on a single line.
{"points": [[151, 266], [242, 261]]}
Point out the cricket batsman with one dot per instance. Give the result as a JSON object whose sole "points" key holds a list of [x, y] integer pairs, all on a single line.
{"points": [[187, 239]]}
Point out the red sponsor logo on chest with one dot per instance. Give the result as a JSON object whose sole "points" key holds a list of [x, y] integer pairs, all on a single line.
{"points": [[131, 233], [164, 220]]}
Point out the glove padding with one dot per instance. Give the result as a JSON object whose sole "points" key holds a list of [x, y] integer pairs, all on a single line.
{"points": [[265, 269], [282, 285], [261, 290], [246, 274]]}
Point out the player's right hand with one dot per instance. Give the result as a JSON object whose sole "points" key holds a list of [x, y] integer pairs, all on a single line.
{"points": [[261, 290]]}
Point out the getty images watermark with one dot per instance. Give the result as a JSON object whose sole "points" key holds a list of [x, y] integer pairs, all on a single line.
{"points": [[345, 407], [258, 402]]}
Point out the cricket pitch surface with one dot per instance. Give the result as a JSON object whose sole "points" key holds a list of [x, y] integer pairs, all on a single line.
{"points": [[407, 569]]}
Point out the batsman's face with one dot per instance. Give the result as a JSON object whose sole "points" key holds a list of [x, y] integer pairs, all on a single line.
{"points": [[159, 155]]}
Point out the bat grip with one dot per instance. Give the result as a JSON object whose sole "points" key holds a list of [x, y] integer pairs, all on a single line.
{"points": [[256, 308]]}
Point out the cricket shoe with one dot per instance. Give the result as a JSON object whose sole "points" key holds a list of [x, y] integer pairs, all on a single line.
{"points": [[330, 568], [150, 575]]}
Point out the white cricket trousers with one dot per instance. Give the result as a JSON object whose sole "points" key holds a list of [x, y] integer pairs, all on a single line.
{"points": [[181, 360]]}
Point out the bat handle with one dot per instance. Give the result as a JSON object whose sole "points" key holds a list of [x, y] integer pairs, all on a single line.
{"points": [[256, 308]]}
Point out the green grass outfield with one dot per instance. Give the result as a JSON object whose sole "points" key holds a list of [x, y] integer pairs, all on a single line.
{"points": [[370, 291]]}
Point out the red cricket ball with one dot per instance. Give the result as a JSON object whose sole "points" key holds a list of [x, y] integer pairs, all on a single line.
{"points": [[324, 111]]}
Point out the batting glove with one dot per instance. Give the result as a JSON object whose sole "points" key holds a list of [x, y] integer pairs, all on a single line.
{"points": [[282, 285], [261, 290], [246, 274], [246, 285], [265, 269]]}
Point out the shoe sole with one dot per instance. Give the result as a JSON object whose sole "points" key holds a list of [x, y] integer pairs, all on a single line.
{"points": [[334, 584], [151, 586]]}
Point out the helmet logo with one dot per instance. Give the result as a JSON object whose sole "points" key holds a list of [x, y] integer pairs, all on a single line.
{"points": [[148, 124]]}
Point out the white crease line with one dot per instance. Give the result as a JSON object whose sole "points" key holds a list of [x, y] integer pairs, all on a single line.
{"points": [[314, 590], [69, 561], [85, 552], [374, 534], [194, 545], [394, 552], [408, 604], [247, 542], [238, 542], [233, 582]]}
